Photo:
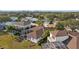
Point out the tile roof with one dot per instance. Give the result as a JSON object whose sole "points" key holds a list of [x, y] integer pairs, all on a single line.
{"points": [[72, 43], [36, 33], [32, 35], [59, 33], [74, 33], [36, 28]]}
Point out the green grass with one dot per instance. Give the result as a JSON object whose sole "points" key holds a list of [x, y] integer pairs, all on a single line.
{"points": [[3, 32], [28, 44], [8, 41], [25, 44], [5, 41]]}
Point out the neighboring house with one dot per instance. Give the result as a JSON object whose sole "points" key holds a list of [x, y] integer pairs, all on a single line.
{"points": [[33, 20], [50, 27], [2, 26], [20, 24], [49, 24], [22, 27], [28, 18], [73, 41], [58, 36], [68, 28], [34, 24], [37, 28], [13, 18], [77, 30], [36, 34], [55, 23], [9, 23], [77, 19], [55, 40], [46, 23]]}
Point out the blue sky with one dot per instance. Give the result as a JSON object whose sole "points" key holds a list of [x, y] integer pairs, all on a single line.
{"points": [[39, 4]]}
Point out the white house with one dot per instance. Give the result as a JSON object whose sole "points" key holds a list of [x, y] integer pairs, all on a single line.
{"points": [[58, 36], [30, 18], [34, 19], [24, 23], [22, 27]]}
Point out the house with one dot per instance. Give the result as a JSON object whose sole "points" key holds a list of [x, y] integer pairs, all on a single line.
{"points": [[46, 23], [28, 18], [55, 40], [21, 24], [37, 28], [62, 39], [77, 19], [2, 26], [50, 27], [13, 18], [36, 34], [67, 28], [55, 23], [33, 20], [73, 41], [22, 27], [77, 30], [58, 36]]}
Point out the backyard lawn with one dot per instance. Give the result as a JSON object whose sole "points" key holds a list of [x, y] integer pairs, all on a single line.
{"points": [[7, 41], [25, 44]]}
